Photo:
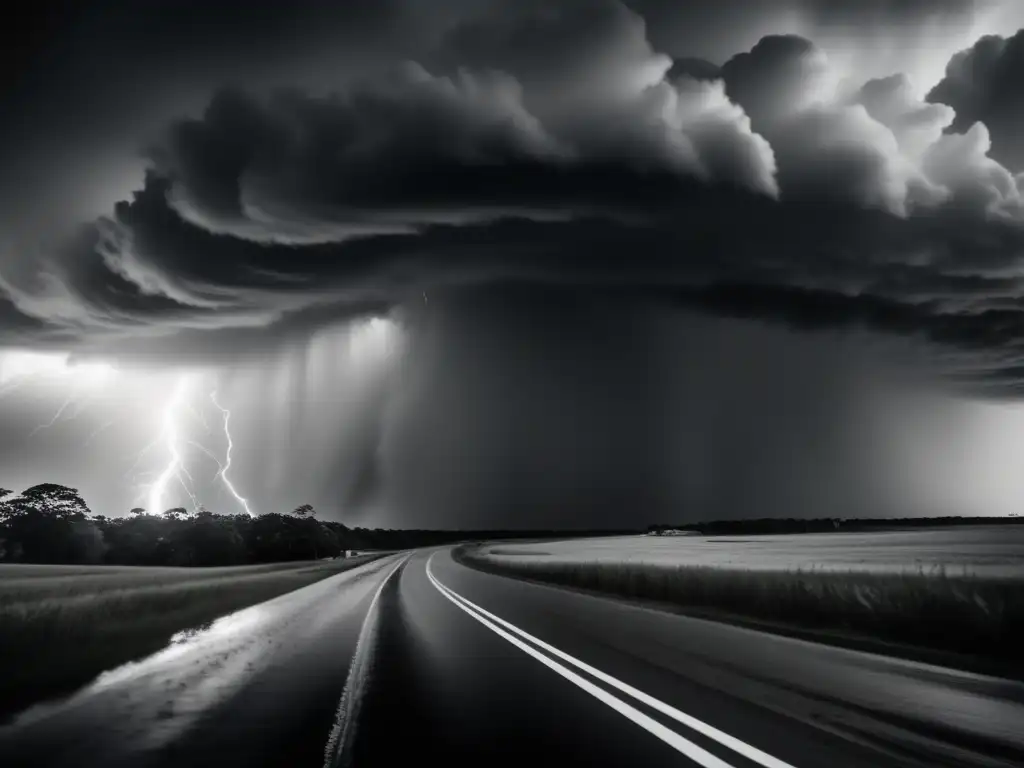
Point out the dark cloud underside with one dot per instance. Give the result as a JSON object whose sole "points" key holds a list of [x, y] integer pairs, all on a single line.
{"points": [[588, 158], [983, 85]]}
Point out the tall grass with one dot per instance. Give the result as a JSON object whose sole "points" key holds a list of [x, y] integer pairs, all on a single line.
{"points": [[968, 615], [60, 627]]}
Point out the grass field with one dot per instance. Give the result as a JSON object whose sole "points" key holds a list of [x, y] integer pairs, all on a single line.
{"points": [[989, 551], [60, 626], [970, 616]]}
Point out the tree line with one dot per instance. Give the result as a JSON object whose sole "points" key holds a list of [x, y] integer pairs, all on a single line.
{"points": [[780, 525], [51, 523]]}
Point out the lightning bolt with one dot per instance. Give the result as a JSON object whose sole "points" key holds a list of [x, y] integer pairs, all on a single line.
{"points": [[169, 435], [13, 385], [172, 435], [56, 416], [76, 399], [221, 468], [85, 379], [223, 474]]}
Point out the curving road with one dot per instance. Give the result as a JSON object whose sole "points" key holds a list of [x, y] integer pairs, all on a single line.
{"points": [[417, 657]]}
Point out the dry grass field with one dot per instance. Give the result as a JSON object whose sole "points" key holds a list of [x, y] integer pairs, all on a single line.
{"points": [[989, 551], [917, 602]]}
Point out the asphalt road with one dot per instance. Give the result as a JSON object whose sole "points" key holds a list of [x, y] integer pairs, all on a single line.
{"points": [[415, 657]]}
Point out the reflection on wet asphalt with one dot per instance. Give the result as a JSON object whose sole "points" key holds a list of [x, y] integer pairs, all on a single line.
{"points": [[263, 687], [240, 690]]}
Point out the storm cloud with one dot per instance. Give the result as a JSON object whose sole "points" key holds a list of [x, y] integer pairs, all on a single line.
{"points": [[982, 85], [560, 178], [594, 159]]}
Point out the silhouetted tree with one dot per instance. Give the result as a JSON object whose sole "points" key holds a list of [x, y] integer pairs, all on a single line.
{"points": [[305, 511], [49, 523], [58, 500]]}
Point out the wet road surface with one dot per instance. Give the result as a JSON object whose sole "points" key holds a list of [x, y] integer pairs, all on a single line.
{"points": [[415, 657]]}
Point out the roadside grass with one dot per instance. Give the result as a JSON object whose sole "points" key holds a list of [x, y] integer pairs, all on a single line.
{"points": [[61, 626], [509, 552], [965, 615]]}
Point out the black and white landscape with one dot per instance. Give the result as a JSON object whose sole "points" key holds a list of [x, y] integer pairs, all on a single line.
{"points": [[626, 382]]}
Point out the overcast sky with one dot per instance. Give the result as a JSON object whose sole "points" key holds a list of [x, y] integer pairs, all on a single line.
{"points": [[449, 262]]}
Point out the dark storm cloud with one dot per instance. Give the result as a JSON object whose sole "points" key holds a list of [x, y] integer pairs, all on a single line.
{"points": [[983, 84], [78, 49], [631, 247], [590, 160], [425, 151], [80, 73], [845, 150], [777, 77]]}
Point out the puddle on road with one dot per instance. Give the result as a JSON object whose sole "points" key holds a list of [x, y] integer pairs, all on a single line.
{"points": [[157, 697]]}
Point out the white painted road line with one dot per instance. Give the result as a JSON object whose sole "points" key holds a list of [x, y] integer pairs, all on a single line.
{"points": [[340, 740], [698, 754], [725, 739]]}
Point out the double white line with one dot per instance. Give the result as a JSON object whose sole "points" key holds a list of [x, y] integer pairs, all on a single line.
{"points": [[552, 658]]}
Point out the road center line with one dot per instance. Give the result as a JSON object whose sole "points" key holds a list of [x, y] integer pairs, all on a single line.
{"points": [[696, 753], [725, 739], [340, 740]]}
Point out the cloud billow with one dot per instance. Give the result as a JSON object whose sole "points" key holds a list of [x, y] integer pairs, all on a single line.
{"points": [[595, 161], [982, 85]]}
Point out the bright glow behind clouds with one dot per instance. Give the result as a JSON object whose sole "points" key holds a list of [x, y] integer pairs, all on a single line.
{"points": [[20, 365], [129, 436], [111, 440], [373, 341], [921, 53]]}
